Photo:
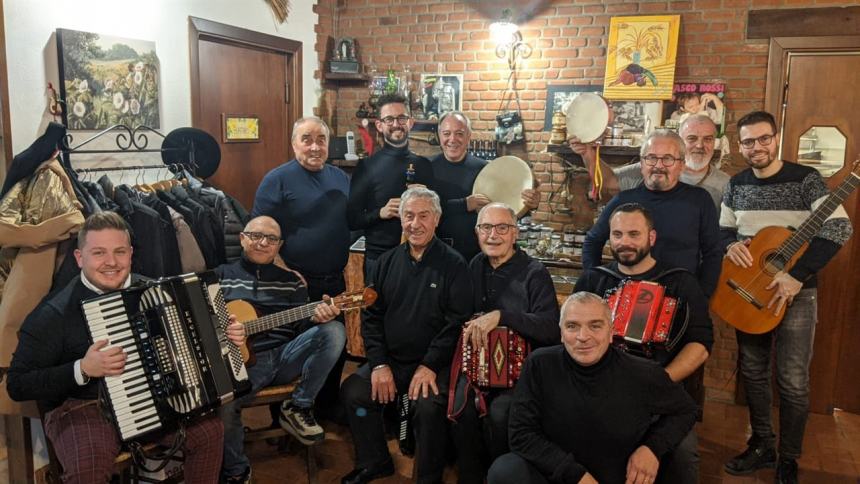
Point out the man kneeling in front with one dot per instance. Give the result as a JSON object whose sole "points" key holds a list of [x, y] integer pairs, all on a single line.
{"points": [[585, 412]]}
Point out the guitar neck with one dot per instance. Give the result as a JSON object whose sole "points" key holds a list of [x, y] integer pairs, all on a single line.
{"points": [[813, 224], [282, 318]]}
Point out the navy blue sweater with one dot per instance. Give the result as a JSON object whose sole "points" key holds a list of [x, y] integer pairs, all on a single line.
{"points": [[688, 234], [376, 180], [310, 207], [454, 183]]}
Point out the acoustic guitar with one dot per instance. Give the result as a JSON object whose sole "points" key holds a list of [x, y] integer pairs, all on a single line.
{"points": [[741, 298], [254, 324]]}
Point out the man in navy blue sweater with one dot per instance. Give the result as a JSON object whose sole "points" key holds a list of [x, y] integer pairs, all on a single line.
{"points": [[684, 215]]}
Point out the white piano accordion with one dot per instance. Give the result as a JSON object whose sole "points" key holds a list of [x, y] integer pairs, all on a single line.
{"points": [[180, 362]]}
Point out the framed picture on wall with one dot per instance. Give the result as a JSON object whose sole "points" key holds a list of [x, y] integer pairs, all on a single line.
{"points": [[637, 116], [107, 80], [441, 93], [641, 55], [240, 128], [689, 98], [557, 98]]}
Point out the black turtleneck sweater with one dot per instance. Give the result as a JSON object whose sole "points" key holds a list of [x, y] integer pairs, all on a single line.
{"points": [[269, 289], [688, 232], [454, 182], [375, 181], [568, 419]]}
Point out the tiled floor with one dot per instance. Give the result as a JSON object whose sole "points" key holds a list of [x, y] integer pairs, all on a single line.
{"points": [[831, 451]]}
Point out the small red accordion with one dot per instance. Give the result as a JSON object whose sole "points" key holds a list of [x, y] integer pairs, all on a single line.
{"points": [[642, 316], [500, 363]]}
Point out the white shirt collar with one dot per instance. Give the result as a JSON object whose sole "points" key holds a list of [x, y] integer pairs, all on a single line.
{"points": [[92, 287]]}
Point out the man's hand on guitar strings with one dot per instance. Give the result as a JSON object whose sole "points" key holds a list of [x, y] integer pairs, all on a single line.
{"points": [[786, 288], [325, 311], [739, 254]]}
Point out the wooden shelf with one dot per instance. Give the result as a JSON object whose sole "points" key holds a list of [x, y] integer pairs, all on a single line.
{"points": [[345, 77], [564, 149]]}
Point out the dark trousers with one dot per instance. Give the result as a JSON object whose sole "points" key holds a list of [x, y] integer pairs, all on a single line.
{"points": [[330, 285], [513, 469], [480, 440], [367, 426], [681, 465]]}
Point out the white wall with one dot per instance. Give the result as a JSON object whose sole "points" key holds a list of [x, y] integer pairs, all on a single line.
{"points": [[32, 53]]}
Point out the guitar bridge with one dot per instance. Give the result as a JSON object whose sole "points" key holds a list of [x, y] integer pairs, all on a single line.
{"points": [[744, 294]]}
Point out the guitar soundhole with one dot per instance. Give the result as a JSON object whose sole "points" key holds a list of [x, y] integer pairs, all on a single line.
{"points": [[773, 262]]}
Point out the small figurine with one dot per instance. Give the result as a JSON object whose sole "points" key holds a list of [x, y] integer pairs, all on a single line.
{"points": [[559, 128]]}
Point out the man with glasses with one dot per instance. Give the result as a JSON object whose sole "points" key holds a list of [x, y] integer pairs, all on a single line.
{"points": [[513, 290], [378, 181], [455, 171], [632, 235], [699, 134], [308, 349], [771, 192], [684, 215]]}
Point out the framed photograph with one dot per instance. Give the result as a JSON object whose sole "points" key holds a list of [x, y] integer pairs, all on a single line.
{"points": [[441, 93], [640, 59], [557, 98], [637, 116], [690, 98], [240, 128], [107, 80]]}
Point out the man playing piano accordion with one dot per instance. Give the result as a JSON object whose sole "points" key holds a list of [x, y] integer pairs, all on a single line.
{"points": [[513, 290], [630, 240], [56, 365]]}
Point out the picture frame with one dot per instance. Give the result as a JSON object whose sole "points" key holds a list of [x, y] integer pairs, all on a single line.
{"points": [[640, 57], [557, 97], [107, 80], [240, 128], [637, 116], [440, 93], [696, 97]]}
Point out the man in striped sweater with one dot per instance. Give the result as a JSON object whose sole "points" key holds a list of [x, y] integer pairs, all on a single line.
{"points": [[773, 192]]}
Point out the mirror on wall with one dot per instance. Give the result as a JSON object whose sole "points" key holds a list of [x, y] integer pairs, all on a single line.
{"points": [[822, 148]]}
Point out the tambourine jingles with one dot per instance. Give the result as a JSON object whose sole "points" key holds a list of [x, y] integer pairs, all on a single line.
{"points": [[588, 116], [503, 180]]}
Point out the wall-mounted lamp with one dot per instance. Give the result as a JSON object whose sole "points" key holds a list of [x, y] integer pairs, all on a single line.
{"points": [[509, 41]]}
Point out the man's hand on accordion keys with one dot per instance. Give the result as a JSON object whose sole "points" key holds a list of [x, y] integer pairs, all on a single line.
{"points": [[102, 360], [423, 379], [478, 329], [236, 331]]}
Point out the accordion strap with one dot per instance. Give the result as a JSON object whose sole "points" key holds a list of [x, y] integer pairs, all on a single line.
{"points": [[656, 278]]}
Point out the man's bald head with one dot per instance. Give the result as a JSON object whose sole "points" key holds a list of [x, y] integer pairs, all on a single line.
{"points": [[261, 240], [263, 222]]}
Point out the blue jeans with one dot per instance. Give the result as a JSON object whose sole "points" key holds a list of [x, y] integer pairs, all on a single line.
{"points": [[794, 339], [310, 355]]}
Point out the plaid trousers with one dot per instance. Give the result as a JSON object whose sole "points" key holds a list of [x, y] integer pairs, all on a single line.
{"points": [[86, 444]]}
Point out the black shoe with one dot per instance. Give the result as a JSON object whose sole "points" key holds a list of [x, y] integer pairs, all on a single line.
{"points": [[786, 472], [243, 478], [361, 475], [751, 460]]}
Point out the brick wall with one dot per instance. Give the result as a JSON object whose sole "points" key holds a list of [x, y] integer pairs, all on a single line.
{"points": [[569, 39]]}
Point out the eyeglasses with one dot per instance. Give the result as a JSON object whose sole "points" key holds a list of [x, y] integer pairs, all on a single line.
{"points": [[389, 120], [257, 237], [762, 140], [501, 229], [665, 160]]}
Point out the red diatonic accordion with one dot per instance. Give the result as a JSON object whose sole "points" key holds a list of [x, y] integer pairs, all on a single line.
{"points": [[642, 316], [499, 364]]}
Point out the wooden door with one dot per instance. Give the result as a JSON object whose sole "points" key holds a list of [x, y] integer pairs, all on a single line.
{"points": [[239, 73], [818, 84]]}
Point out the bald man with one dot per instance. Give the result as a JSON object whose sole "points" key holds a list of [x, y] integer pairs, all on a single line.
{"points": [[308, 348]]}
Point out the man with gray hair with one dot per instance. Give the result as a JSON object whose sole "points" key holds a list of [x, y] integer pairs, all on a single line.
{"points": [[684, 215], [409, 334], [455, 171], [586, 412], [699, 134]]}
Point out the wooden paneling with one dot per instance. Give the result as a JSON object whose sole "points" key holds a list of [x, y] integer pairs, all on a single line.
{"points": [[796, 22]]}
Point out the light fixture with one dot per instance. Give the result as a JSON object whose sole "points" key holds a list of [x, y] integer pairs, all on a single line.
{"points": [[509, 41]]}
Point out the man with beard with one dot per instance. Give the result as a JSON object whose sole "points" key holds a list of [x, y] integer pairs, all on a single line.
{"points": [[378, 181], [770, 192], [424, 297], [455, 171], [699, 134], [631, 236], [684, 215]]}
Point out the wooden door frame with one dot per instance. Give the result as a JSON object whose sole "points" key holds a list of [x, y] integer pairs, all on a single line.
{"points": [[4, 93], [202, 29]]}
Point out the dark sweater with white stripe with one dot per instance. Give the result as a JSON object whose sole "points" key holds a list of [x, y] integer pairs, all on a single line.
{"points": [[269, 289], [784, 199]]}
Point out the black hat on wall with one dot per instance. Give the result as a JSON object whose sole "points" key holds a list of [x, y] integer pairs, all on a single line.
{"points": [[194, 148]]}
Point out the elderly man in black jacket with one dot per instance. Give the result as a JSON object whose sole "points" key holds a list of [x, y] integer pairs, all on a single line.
{"points": [[513, 290], [425, 295]]}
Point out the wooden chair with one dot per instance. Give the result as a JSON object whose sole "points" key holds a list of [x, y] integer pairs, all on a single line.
{"points": [[277, 394]]}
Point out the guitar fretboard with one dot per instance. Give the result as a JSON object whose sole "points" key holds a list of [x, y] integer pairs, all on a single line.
{"points": [[282, 318]]}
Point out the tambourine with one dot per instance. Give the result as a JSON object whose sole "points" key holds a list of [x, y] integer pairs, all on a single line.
{"points": [[503, 180], [588, 116]]}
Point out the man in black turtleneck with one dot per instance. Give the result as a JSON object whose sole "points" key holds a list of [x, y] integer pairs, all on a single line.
{"points": [[378, 181], [585, 412]]}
